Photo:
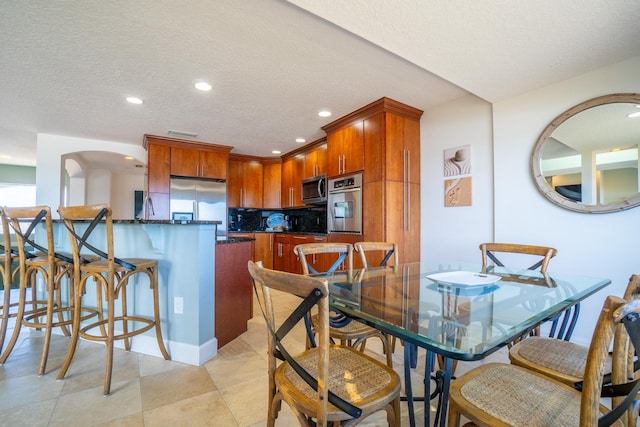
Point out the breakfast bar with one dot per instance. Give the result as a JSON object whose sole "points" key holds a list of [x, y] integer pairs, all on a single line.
{"points": [[185, 251]]}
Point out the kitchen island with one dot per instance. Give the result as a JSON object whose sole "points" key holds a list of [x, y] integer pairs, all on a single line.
{"points": [[185, 251]]}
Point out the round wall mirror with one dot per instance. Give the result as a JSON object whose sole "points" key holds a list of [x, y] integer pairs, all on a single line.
{"points": [[586, 159]]}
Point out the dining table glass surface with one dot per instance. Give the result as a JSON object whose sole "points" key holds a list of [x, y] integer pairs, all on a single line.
{"points": [[455, 309]]}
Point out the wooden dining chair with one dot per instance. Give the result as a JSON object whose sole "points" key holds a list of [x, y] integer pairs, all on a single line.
{"points": [[38, 262], [379, 253], [497, 394], [113, 276], [350, 332], [562, 325], [564, 361], [328, 383]]}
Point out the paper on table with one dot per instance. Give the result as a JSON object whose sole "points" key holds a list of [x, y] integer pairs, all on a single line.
{"points": [[464, 278]]}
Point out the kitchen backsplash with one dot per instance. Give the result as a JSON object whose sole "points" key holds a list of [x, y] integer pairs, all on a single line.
{"points": [[302, 220]]}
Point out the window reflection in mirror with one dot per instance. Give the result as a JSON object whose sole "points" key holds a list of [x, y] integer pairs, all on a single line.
{"points": [[586, 160]]}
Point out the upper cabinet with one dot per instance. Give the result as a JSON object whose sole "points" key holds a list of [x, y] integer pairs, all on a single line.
{"points": [[315, 161], [167, 157], [198, 163], [272, 178], [245, 184], [345, 148], [292, 175], [386, 134], [158, 167]]}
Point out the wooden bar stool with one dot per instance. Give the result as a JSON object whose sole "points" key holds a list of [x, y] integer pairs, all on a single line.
{"points": [[38, 259], [112, 276], [8, 275]]}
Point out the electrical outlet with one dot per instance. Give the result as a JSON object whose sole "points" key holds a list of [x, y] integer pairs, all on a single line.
{"points": [[178, 305]]}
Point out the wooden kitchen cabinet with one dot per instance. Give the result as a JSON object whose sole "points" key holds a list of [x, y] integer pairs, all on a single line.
{"points": [[166, 157], [345, 148], [291, 188], [263, 249], [315, 161], [233, 291], [196, 163], [272, 181], [244, 186], [158, 166], [283, 257], [391, 170]]}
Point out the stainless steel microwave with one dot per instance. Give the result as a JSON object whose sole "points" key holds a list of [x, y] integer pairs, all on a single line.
{"points": [[314, 190]]}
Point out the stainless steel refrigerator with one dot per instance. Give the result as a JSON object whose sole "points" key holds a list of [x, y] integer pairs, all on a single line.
{"points": [[199, 199]]}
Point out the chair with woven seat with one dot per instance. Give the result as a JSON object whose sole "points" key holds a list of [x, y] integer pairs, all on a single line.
{"points": [[38, 259], [562, 360], [328, 383], [353, 333], [497, 394], [112, 276]]}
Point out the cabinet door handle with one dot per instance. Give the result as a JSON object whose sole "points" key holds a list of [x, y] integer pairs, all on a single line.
{"points": [[344, 163], [339, 165], [202, 171], [408, 190]]}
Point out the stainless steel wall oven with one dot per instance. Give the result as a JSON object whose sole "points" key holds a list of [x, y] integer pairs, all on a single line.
{"points": [[344, 207]]}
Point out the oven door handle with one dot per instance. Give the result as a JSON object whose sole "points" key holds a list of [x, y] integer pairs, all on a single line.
{"points": [[346, 190]]}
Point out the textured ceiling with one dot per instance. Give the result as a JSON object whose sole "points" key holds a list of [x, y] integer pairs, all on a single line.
{"points": [[66, 67]]}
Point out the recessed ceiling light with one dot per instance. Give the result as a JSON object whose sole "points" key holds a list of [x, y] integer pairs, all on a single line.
{"points": [[134, 100], [301, 140], [276, 152], [324, 113], [128, 158], [204, 86], [637, 114]]}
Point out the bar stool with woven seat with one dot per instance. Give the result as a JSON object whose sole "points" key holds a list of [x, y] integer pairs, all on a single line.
{"points": [[112, 275], [8, 274], [37, 258], [354, 333]]}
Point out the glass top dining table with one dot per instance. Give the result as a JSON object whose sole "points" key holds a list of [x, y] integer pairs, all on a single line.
{"points": [[454, 309]]}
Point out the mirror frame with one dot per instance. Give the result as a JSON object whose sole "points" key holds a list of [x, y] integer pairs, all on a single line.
{"points": [[541, 182]]}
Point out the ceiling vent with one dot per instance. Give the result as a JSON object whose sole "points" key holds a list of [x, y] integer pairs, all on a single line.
{"points": [[182, 133]]}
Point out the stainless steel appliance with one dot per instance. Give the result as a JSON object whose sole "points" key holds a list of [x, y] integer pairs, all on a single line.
{"points": [[344, 205], [199, 199], [314, 190]]}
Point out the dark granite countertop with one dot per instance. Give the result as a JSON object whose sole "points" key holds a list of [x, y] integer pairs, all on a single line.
{"points": [[303, 233], [234, 240], [157, 221]]}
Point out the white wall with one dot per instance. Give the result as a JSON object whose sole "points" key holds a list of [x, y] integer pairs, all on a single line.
{"points": [[50, 169], [603, 245], [506, 204], [454, 233], [122, 194]]}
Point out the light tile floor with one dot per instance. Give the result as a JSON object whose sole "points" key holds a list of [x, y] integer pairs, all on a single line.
{"points": [[229, 390]]}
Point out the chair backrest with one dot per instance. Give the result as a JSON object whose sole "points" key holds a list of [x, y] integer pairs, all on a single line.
{"points": [[614, 312], [5, 248], [26, 223], [343, 252], [301, 286], [489, 251], [384, 253], [81, 221]]}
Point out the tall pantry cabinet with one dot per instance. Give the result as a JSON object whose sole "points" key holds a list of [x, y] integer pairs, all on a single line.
{"points": [[391, 173]]}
